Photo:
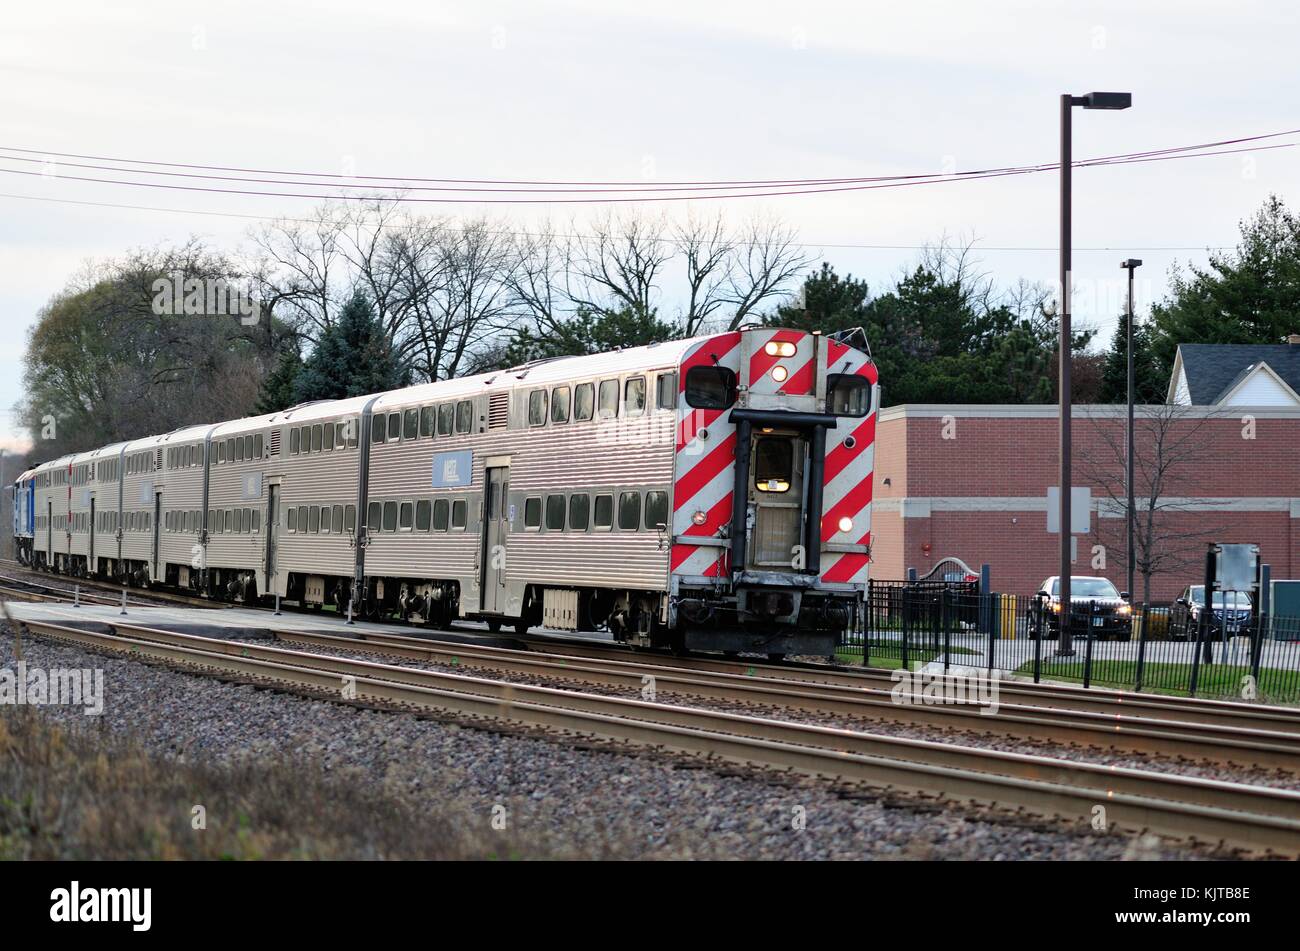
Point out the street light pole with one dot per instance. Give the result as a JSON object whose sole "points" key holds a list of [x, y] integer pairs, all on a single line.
{"points": [[1094, 100], [1130, 265]]}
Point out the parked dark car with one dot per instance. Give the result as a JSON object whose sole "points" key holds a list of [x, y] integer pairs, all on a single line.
{"points": [[1231, 609], [1097, 609]]}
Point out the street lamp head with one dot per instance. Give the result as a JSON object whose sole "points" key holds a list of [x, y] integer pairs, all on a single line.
{"points": [[1107, 100], [1130, 264]]}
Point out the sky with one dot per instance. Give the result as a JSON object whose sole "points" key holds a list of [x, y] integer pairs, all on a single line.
{"points": [[666, 91]]}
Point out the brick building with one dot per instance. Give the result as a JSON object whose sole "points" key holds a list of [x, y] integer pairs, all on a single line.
{"points": [[971, 481]]}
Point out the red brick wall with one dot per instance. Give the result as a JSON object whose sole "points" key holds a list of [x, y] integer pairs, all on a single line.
{"points": [[1010, 456]]}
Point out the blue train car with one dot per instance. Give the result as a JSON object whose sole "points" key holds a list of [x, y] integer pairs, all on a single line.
{"points": [[24, 516]]}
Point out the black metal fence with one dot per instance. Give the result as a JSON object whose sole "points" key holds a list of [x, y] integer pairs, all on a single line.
{"points": [[939, 626]]}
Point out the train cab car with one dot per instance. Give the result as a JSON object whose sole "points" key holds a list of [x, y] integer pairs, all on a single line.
{"points": [[24, 516], [51, 540]]}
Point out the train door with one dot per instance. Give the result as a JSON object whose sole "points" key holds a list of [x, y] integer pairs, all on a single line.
{"points": [[776, 493], [90, 559], [49, 533], [272, 532], [157, 569], [496, 504]]}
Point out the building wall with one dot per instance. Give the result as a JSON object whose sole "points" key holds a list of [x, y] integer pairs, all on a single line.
{"points": [[971, 482]]}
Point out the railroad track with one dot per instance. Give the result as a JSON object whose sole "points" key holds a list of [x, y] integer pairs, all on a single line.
{"points": [[1263, 740], [141, 596], [1257, 819]]}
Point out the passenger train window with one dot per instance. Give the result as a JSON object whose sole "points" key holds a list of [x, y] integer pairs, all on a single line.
{"points": [[847, 394], [327, 439], [608, 401], [350, 519], [316, 437], [422, 515], [426, 420], [394, 427], [377, 425], [246, 520], [604, 515], [555, 513], [773, 464], [533, 513], [239, 450], [445, 413], [464, 416], [634, 396], [666, 391], [313, 519], [629, 511], [584, 401], [711, 387], [390, 516], [257, 448], [248, 447], [656, 510], [257, 521], [440, 510], [459, 513], [405, 516], [410, 423], [579, 509], [560, 404], [336, 519], [374, 514], [537, 408]]}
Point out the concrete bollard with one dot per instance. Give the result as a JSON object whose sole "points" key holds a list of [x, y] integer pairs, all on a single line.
{"points": [[123, 611]]}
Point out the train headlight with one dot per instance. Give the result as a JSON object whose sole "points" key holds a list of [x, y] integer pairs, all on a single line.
{"points": [[699, 518], [779, 373], [846, 524], [779, 348]]}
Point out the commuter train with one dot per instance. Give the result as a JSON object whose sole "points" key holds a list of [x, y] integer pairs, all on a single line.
{"points": [[711, 493]]}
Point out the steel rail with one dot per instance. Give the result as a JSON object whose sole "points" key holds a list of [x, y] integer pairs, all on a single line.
{"points": [[1255, 818]]}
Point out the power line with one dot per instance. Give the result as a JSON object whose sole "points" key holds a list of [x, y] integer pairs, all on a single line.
{"points": [[777, 182], [1133, 158], [539, 234]]}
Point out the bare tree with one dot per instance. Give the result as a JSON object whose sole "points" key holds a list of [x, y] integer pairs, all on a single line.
{"points": [[766, 260], [297, 269], [709, 251], [1171, 444], [617, 265]]}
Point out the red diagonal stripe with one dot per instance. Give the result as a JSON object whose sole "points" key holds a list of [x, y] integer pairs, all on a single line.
{"points": [[839, 457], [714, 518], [857, 498], [693, 422], [703, 472], [848, 566], [800, 382]]}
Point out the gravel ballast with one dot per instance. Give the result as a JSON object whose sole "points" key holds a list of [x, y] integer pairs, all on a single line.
{"points": [[586, 802]]}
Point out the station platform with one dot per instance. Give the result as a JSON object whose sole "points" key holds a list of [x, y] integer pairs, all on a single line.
{"points": [[234, 623]]}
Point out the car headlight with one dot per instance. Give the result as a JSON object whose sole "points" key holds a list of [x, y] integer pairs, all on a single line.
{"points": [[1056, 607], [1125, 609]]}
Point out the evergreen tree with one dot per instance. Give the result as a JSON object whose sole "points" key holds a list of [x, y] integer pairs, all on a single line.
{"points": [[1149, 384], [586, 332], [279, 388], [829, 303], [353, 357], [1251, 295]]}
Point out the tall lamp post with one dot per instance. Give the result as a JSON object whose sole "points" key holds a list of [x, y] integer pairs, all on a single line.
{"points": [[1131, 265], [1094, 100]]}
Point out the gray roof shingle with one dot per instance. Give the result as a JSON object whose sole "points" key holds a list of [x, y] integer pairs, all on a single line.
{"points": [[1214, 368]]}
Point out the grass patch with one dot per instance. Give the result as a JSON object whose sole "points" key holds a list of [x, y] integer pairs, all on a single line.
{"points": [[1173, 679], [87, 794]]}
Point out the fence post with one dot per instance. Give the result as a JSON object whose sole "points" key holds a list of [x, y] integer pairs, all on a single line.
{"points": [[995, 621], [945, 615], [1142, 649], [1041, 628], [907, 623], [1087, 649], [866, 626], [985, 612]]}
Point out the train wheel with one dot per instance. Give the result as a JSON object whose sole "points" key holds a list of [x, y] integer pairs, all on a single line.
{"points": [[494, 625], [521, 627]]}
